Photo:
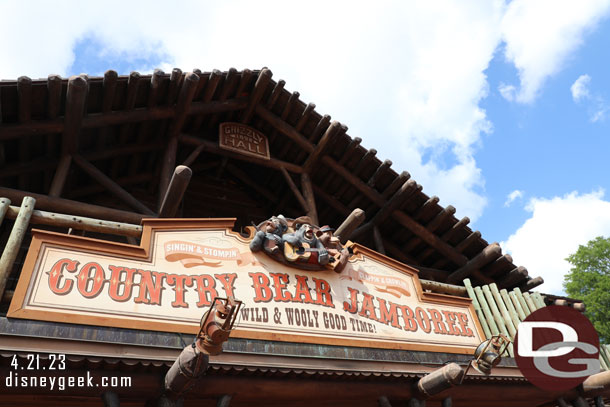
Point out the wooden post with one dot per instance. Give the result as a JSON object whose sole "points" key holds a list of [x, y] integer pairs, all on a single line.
{"points": [[54, 96], [111, 186], [477, 308], [175, 191], [508, 321], [111, 399], [486, 311], [309, 197], [295, 190], [344, 231], [11, 249]]}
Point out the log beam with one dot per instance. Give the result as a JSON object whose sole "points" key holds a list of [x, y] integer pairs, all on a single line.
{"points": [[246, 179], [111, 186], [327, 140], [175, 191], [532, 283], [40, 217], [54, 96], [345, 230], [513, 277], [284, 128], [264, 77], [75, 109], [213, 148], [61, 174], [378, 240], [185, 98], [309, 197], [109, 86], [486, 256], [295, 190], [72, 207], [12, 131]]}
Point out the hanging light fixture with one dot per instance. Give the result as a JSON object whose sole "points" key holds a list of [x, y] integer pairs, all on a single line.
{"points": [[488, 354]]}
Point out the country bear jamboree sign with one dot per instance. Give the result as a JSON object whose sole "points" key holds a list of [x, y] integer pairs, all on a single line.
{"points": [[169, 281]]}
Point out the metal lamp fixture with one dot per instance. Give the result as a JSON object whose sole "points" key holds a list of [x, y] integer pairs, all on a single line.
{"points": [[191, 364], [488, 354], [216, 324]]}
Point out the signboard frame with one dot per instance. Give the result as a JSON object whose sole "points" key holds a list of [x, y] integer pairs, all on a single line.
{"points": [[42, 239]]}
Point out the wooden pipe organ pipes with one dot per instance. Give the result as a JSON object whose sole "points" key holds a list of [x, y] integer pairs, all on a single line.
{"points": [[11, 249]]}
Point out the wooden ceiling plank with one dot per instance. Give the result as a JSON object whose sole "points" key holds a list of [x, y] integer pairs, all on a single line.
{"points": [[260, 86], [111, 186], [486, 256]]}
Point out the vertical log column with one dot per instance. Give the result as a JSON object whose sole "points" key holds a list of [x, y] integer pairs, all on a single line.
{"points": [[20, 228]]}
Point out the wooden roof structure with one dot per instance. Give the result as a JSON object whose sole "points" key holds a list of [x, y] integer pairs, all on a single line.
{"points": [[106, 147]]}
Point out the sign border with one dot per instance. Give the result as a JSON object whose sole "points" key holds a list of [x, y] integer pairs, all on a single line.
{"points": [[18, 308]]}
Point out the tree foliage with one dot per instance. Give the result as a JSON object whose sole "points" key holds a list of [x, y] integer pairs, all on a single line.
{"points": [[589, 281]]}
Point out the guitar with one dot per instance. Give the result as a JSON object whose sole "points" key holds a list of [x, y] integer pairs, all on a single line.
{"points": [[302, 253]]}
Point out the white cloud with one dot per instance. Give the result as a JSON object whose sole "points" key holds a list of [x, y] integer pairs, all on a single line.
{"points": [[580, 88], [407, 77], [597, 106], [556, 228], [508, 92], [540, 35], [510, 198]]}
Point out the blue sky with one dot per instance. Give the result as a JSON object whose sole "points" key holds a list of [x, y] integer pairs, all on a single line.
{"points": [[478, 100]]}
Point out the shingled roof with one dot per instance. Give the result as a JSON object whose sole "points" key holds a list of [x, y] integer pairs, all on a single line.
{"points": [[127, 133]]}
